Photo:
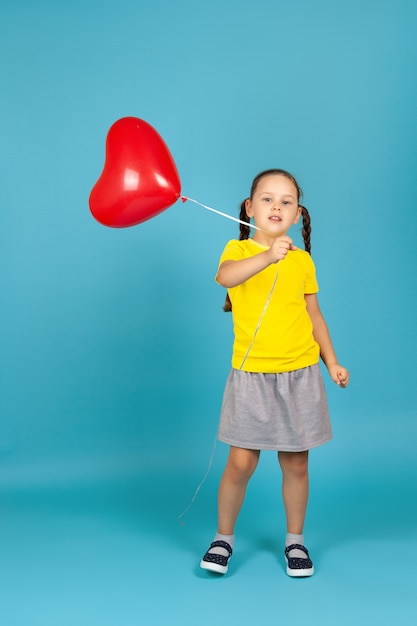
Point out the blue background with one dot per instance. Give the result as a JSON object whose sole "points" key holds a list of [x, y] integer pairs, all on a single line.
{"points": [[114, 347]]}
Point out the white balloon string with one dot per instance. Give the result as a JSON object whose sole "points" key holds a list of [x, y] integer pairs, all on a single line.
{"points": [[203, 480], [229, 217], [226, 398]]}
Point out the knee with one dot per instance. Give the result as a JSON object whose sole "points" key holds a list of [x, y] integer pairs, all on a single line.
{"points": [[294, 463], [242, 464]]}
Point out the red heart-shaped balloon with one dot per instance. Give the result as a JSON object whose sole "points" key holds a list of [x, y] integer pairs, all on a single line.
{"points": [[139, 178]]}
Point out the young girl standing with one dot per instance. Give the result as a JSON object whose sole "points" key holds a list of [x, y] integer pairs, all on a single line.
{"points": [[274, 397]]}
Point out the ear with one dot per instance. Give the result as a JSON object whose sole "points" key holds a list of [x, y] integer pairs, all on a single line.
{"points": [[248, 207], [297, 217]]}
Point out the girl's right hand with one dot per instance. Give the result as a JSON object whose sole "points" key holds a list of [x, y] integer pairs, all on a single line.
{"points": [[233, 273], [279, 249]]}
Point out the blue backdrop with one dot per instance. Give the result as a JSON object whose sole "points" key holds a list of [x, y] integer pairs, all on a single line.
{"points": [[114, 347]]}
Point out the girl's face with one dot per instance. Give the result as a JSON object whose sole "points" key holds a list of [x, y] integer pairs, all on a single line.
{"points": [[273, 207]]}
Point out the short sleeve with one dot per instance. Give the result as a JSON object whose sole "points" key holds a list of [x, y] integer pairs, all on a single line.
{"points": [[233, 251], [310, 285]]}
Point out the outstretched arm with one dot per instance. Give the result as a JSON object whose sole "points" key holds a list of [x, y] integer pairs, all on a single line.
{"points": [[338, 374]]}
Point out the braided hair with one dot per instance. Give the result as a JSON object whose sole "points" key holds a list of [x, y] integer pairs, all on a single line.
{"points": [[245, 229]]}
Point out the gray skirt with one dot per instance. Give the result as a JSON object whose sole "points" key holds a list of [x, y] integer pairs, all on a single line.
{"points": [[286, 412]]}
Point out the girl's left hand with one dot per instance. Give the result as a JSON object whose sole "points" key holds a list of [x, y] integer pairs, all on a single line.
{"points": [[339, 375]]}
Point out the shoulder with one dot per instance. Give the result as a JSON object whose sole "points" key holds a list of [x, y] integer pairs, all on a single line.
{"points": [[237, 249], [303, 258]]}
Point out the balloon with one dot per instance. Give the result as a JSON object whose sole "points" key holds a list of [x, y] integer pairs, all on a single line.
{"points": [[139, 178]]}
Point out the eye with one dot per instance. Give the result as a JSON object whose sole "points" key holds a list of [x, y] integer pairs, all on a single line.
{"points": [[267, 199]]}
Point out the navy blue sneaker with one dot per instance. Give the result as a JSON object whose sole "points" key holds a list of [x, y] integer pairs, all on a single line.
{"points": [[298, 566], [218, 563]]}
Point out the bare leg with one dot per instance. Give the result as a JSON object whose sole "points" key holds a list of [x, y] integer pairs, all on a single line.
{"points": [[295, 495], [239, 468], [294, 467]]}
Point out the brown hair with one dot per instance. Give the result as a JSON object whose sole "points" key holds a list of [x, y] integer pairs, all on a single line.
{"points": [[245, 230]]}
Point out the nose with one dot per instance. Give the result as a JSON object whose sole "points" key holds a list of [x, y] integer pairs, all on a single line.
{"points": [[276, 207]]}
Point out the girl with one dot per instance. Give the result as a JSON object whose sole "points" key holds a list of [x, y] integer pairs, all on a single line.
{"points": [[274, 397]]}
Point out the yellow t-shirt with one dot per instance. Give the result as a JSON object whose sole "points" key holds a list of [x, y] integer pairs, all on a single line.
{"points": [[284, 341]]}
